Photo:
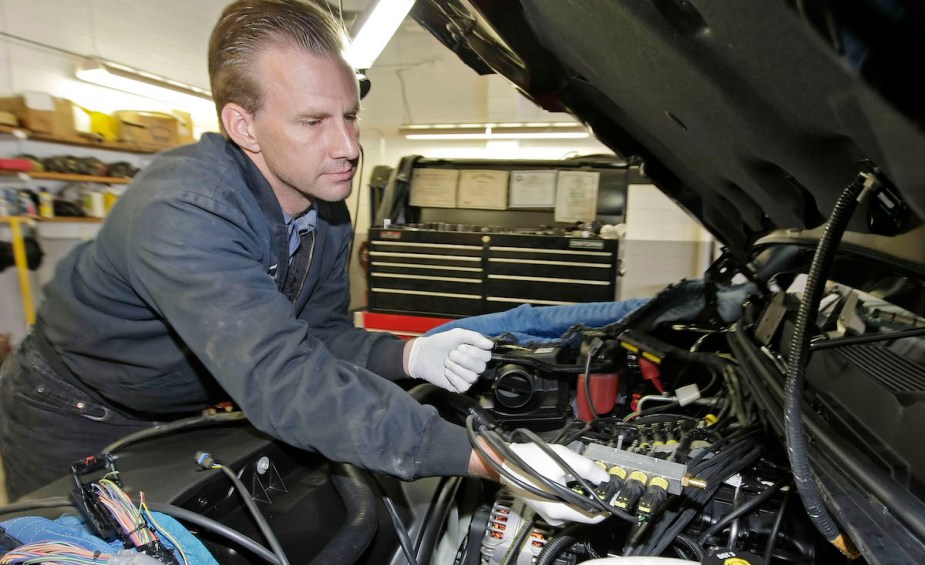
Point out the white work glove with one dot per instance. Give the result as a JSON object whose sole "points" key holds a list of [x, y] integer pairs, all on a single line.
{"points": [[555, 513], [452, 359]]}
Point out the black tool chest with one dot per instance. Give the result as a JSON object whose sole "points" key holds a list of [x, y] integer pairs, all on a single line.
{"points": [[458, 271]]}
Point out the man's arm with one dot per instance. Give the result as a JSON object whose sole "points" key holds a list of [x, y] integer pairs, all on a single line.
{"points": [[479, 467], [195, 262]]}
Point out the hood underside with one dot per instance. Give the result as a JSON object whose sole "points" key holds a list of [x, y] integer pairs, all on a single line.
{"points": [[753, 116]]}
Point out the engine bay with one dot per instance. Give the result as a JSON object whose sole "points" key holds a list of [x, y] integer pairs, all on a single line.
{"points": [[686, 415]]}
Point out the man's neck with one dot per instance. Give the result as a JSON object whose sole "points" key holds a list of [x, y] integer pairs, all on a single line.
{"points": [[293, 203]]}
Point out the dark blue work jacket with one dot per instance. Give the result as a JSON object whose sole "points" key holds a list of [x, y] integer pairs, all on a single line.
{"points": [[179, 293]]}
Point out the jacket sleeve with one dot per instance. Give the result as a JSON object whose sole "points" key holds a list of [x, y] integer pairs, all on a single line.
{"points": [[196, 262], [326, 309]]}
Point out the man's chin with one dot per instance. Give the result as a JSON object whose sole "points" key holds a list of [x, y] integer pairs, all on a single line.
{"points": [[335, 192]]}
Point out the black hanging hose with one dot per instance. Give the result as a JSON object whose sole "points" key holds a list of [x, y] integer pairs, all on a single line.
{"points": [[799, 357], [435, 519], [362, 520]]}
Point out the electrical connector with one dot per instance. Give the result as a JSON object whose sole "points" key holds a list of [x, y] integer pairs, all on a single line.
{"points": [[655, 495], [205, 460], [631, 491], [687, 394]]}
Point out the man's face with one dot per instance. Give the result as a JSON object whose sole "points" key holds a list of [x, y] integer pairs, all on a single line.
{"points": [[307, 126]]}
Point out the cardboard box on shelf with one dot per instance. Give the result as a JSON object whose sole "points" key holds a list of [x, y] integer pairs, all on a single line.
{"points": [[42, 113], [185, 126], [148, 130]]}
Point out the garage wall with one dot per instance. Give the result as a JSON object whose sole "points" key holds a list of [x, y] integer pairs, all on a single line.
{"points": [[663, 244]]}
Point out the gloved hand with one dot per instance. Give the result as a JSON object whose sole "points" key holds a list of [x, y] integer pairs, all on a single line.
{"points": [[555, 513], [452, 359]]}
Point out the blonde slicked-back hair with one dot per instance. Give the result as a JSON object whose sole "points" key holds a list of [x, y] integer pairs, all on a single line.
{"points": [[247, 28]]}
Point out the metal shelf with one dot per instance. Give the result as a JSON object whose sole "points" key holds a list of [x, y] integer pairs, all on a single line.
{"points": [[38, 175], [25, 134]]}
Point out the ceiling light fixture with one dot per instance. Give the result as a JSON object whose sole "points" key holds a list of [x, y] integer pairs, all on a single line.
{"points": [[134, 81], [378, 27], [533, 130]]}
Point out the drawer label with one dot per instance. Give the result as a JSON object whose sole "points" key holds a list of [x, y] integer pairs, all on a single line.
{"points": [[586, 244]]}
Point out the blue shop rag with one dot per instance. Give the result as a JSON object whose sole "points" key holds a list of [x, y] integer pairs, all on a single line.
{"points": [[534, 325], [72, 529]]}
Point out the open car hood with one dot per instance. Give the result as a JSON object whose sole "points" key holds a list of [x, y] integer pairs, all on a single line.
{"points": [[753, 116]]}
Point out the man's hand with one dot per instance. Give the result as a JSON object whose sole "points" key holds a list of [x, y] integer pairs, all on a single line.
{"points": [[452, 360], [555, 513]]}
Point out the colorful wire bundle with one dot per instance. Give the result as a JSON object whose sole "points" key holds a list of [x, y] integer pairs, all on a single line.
{"points": [[157, 527], [62, 553], [123, 510], [132, 519]]}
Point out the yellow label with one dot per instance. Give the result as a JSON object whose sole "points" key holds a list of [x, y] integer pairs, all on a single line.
{"points": [[736, 561], [629, 346], [659, 482], [639, 476], [618, 471]]}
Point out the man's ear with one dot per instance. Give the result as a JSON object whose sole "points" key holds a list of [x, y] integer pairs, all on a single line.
{"points": [[239, 125]]}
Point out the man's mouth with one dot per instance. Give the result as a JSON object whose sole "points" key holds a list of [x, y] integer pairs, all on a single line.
{"points": [[345, 174]]}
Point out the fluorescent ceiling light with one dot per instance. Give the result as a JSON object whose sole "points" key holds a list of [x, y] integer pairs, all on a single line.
{"points": [[553, 130], [376, 31], [133, 81]]}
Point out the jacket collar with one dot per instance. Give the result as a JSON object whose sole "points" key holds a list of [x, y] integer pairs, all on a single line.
{"points": [[263, 193]]}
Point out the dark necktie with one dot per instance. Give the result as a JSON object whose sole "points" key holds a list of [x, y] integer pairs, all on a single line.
{"points": [[298, 268]]}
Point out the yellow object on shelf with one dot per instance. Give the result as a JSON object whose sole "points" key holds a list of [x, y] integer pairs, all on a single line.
{"points": [[22, 265], [97, 124], [103, 125], [111, 196]]}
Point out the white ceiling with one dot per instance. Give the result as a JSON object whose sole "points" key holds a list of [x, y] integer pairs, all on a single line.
{"points": [[415, 80]]}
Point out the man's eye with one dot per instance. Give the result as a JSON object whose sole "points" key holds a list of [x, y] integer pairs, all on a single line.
{"points": [[352, 117], [310, 123]]}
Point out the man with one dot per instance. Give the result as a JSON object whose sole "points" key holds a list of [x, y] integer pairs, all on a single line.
{"points": [[221, 271]]}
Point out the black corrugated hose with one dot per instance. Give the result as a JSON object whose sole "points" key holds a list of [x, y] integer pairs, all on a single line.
{"points": [[564, 540], [691, 546], [799, 356]]}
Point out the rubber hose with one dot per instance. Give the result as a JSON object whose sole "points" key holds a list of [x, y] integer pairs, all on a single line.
{"points": [[216, 527], [693, 546], [799, 355], [775, 529], [176, 425], [744, 509], [452, 405], [362, 519], [554, 548], [433, 526]]}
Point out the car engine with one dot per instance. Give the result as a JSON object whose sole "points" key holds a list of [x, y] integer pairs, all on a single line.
{"points": [[684, 412]]}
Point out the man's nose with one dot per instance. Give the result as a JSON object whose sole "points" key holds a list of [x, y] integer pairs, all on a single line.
{"points": [[346, 141]]}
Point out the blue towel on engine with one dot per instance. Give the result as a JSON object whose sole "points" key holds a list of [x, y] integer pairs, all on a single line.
{"points": [[526, 324], [532, 326], [72, 529]]}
